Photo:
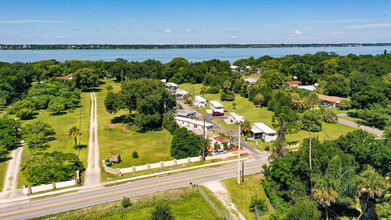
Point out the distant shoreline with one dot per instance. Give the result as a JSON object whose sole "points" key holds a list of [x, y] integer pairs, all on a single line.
{"points": [[171, 46]]}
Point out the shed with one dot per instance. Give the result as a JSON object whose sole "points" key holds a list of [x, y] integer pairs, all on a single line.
{"points": [[115, 158]]}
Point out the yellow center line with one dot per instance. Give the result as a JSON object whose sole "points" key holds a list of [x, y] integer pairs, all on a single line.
{"points": [[121, 191]]}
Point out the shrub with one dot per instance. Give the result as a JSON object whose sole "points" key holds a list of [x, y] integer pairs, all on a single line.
{"points": [[329, 115], [162, 212], [267, 148], [126, 202], [135, 154], [25, 113], [213, 90]]}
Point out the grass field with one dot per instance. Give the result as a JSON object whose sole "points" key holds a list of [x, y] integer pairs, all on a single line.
{"points": [[241, 194], [61, 124], [117, 138], [255, 114], [184, 203], [225, 125]]}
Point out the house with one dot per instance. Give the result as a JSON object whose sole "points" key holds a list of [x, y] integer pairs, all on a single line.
{"points": [[264, 132], [185, 113], [68, 77], [308, 88], [180, 92], [251, 81], [234, 68], [199, 101], [191, 124], [218, 139], [294, 83], [235, 118], [331, 101], [171, 87], [216, 106]]}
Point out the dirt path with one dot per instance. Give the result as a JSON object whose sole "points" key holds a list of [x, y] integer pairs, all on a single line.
{"points": [[11, 176], [222, 194], [92, 174]]}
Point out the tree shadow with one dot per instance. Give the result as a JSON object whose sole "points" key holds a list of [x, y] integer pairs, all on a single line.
{"points": [[149, 129], [125, 119], [59, 113], [82, 146]]}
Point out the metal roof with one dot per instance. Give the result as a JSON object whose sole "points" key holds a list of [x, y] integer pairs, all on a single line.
{"points": [[216, 104], [192, 121], [262, 128]]}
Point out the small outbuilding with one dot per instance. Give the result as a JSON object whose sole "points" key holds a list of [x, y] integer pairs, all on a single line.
{"points": [[262, 131], [216, 106], [115, 158], [294, 83]]}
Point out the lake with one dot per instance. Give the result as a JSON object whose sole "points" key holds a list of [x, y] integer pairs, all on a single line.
{"points": [[166, 55]]}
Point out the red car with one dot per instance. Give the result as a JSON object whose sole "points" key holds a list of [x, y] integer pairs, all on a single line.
{"points": [[217, 114]]}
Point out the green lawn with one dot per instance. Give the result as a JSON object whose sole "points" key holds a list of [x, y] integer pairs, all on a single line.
{"points": [[61, 124], [3, 170], [118, 138], [241, 194], [225, 125], [255, 114], [184, 203]]}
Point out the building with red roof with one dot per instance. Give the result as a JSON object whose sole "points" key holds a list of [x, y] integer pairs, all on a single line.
{"points": [[67, 77]]}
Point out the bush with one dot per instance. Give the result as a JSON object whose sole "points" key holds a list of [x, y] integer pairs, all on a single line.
{"points": [[135, 154], [329, 115], [214, 90], [230, 96], [267, 148], [126, 202], [25, 113], [162, 212]]}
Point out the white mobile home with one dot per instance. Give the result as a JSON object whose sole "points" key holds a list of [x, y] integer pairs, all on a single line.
{"points": [[235, 118], [216, 106], [191, 124], [262, 131], [199, 101]]}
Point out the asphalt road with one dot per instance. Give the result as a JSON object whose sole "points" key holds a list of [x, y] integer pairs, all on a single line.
{"points": [[100, 195]]}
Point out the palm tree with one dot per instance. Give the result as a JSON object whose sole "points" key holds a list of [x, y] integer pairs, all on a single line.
{"points": [[245, 127], [371, 185], [74, 132], [313, 99], [259, 98], [203, 91], [227, 85], [323, 192]]}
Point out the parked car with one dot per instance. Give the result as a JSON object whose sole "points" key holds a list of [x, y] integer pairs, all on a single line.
{"points": [[217, 114], [217, 152]]}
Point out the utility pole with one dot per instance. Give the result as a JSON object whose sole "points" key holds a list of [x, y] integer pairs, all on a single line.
{"points": [[239, 156], [203, 146], [81, 106], [242, 171]]}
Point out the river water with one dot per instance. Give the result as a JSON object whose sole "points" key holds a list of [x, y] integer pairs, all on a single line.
{"points": [[165, 55]]}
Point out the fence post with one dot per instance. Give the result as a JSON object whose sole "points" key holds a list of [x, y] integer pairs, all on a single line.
{"points": [[175, 162], [53, 185], [148, 166], [188, 160], [161, 164], [133, 169]]}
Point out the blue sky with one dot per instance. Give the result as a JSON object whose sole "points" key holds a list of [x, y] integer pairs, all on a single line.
{"points": [[197, 21]]}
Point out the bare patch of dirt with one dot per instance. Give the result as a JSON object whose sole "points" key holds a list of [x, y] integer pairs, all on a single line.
{"points": [[124, 127]]}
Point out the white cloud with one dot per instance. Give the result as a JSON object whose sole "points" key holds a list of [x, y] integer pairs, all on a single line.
{"points": [[233, 37], [29, 21], [369, 26], [192, 30], [337, 33], [168, 30], [297, 32]]}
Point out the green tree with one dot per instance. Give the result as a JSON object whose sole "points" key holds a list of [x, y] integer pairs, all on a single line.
{"points": [[245, 127], [257, 202], [9, 136], [203, 91], [74, 132], [274, 78], [323, 192], [185, 144], [371, 185], [44, 168], [162, 212], [56, 107], [86, 78], [37, 134], [25, 113], [312, 122]]}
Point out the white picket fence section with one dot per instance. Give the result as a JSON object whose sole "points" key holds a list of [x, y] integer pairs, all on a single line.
{"points": [[34, 189], [173, 163]]}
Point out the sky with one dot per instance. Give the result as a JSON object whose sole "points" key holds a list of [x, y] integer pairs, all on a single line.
{"points": [[194, 22]]}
